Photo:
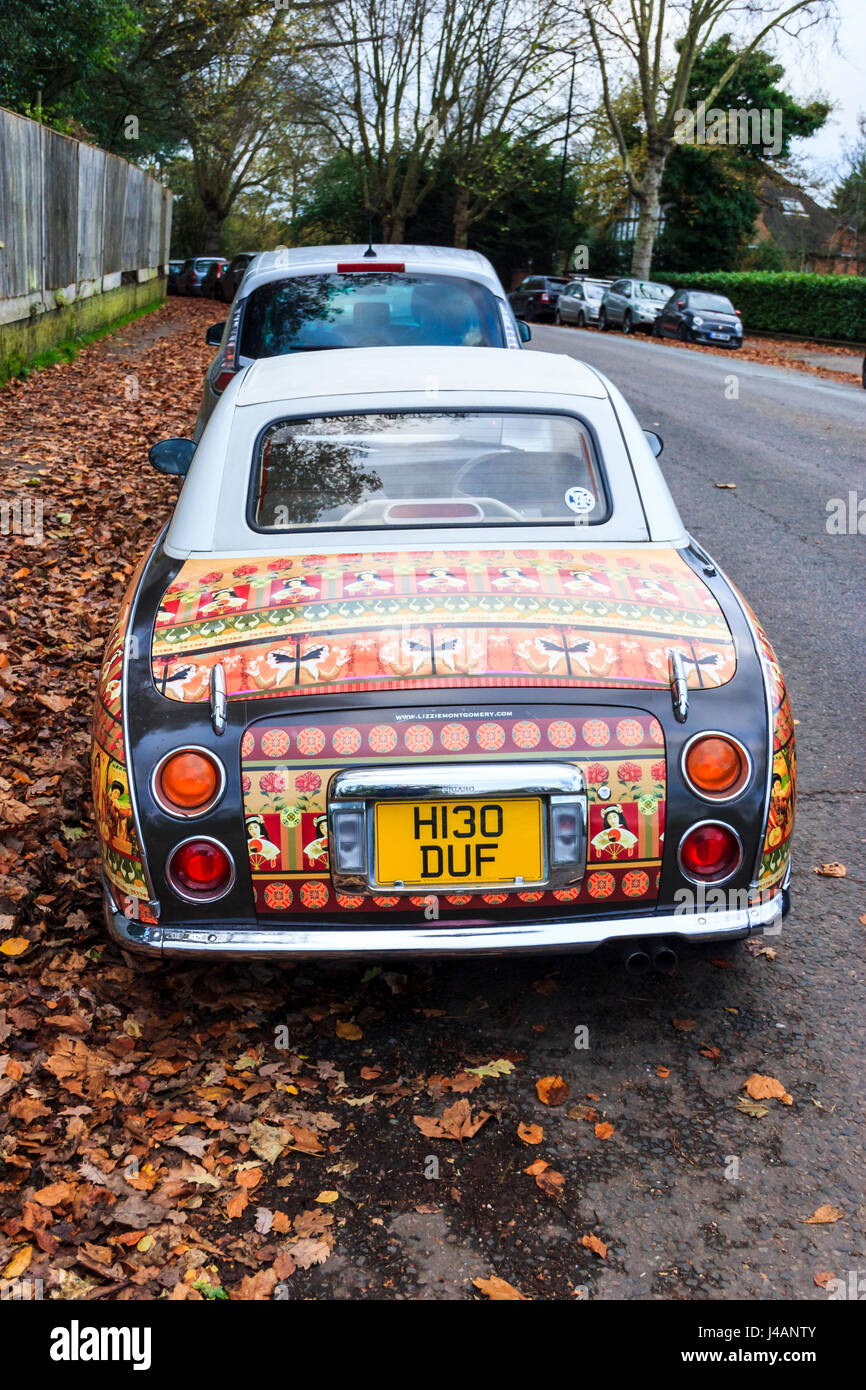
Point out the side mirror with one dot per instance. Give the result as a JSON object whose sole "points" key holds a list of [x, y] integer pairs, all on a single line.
{"points": [[172, 456], [214, 335], [524, 330], [654, 440]]}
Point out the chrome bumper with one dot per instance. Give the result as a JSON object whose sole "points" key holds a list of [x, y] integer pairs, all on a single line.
{"points": [[428, 939]]}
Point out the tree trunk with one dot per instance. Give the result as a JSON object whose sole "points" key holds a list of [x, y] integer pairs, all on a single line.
{"points": [[213, 228], [462, 220], [648, 214]]}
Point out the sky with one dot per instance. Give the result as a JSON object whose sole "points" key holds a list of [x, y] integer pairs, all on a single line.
{"points": [[818, 68]]}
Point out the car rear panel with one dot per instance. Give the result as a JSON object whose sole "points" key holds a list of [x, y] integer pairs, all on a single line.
{"points": [[288, 761]]}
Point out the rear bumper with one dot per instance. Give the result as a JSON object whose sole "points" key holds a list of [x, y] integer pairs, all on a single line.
{"points": [[427, 939]]}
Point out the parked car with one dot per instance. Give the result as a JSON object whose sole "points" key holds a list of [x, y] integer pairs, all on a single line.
{"points": [[695, 316], [192, 274], [580, 302], [536, 297], [310, 298], [434, 669], [173, 270], [632, 305], [210, 285], [227, 285]]}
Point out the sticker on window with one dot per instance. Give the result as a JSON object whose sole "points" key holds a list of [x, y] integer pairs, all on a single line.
{"points": [[579, 499]]}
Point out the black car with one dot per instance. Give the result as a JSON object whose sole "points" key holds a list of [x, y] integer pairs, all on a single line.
{"points": [[696, 316], [172, 271], [191, 276], [536, 297], [210, 285], [227, 285]]}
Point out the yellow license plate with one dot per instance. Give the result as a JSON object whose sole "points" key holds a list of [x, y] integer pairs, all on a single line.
{"points": [[464, 843]]}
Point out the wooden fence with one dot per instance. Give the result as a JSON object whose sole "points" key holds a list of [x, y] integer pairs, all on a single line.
{"points": [[74, 221]]}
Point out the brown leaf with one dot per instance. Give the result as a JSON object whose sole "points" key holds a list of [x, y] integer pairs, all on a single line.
{"points": [[499, 1291], [552, 1090], [831, 870], [752, 1107], [766, 1088], [350, 1032], [823, 1278], [597, 1246], [530, 1134], [604, 1130], [684, 1025], [456, 1122], [824, 1216]]}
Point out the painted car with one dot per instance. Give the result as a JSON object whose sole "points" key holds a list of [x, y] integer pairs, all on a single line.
{"points": [[305, 299], [426, 662]]}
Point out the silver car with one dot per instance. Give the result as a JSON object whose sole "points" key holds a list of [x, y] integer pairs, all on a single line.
{"points": [[632, 305], [312, 298], [580, 302]]}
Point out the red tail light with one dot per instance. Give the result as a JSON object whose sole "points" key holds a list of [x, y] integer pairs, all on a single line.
{"points": [[738, 314], [228, 362], [710, 853], [201, 870], [545, 298]]}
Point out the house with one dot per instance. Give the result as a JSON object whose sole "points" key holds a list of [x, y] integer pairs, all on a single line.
{"points": [[812, 237]]}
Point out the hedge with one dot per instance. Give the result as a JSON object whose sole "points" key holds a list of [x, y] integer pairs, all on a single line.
{"points": [[811, 306]]}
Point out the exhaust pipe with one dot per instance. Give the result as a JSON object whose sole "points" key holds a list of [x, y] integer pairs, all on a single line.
{"points": [[664, 957], [635, 959]]}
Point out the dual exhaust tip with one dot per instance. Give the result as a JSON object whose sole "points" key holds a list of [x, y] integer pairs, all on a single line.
{"points": [[660, 956]]}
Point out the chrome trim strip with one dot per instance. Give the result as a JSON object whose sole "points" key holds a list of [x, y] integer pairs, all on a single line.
{"points": [[124, 698], [426, 939], [768, 702], [705, 796], [218, 698], [174, 811], [709, 882], [199, 898], [679, 686], [436, 781]]}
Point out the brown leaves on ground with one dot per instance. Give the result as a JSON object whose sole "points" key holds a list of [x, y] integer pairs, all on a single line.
{"points": [[552, 1090], [823, 1216], [456, 1122], [530, 1134], [684, 1025], [832, 870], [499, 1290], [766, 1088], [597, 1246], [548, 1179]]}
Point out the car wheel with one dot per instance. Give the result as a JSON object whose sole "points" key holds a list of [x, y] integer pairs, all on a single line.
{"points": [[602, 321], [557, 319], [626, 322], [656, 329], [581, 319], [684, 335]]}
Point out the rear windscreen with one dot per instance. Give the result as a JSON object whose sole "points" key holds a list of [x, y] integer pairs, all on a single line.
{"points": [[375, 309]]}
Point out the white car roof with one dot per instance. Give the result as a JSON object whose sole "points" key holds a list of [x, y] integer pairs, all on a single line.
{"points": [[309, 260], [386, 370]]}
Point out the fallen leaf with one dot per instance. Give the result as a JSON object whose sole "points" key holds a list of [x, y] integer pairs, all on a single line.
{"points": [[552, 1090], [824, 1216], [603, 1130], [684, 1025], [501, 1067], [19, 1262], [350, 1032], [663, 1071], [582, 1112], [766, 1088], [499, 1290], [831, 870], [329, 1196], [725, 485], [752, 1107], [823, 1278], [15, 946], [597, 1246], [457, 1122], [530, 1134]]}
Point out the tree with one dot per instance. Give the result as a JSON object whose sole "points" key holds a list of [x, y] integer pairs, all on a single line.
{"points": [[51, 46], [636, 33], [411, 83], [709, 192]]}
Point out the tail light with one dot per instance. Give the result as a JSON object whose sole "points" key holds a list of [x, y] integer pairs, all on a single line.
{"points": [[200, 870], [227, 365], [716, 766], [710, 853], [738, 314], [219, 271], [545, 298], [188, 782]]}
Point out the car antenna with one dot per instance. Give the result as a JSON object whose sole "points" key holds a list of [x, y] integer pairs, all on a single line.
{"points": [[369, 251]]}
